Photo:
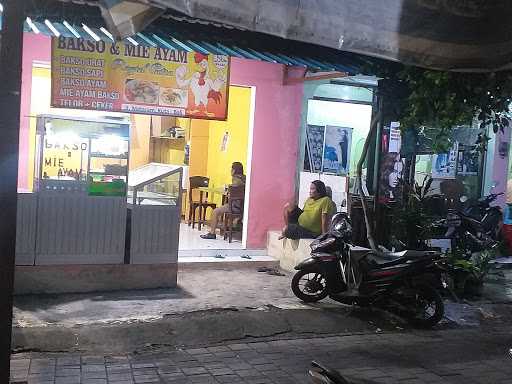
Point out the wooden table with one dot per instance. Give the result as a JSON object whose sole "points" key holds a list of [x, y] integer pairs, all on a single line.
{"points": [[213, 191]]}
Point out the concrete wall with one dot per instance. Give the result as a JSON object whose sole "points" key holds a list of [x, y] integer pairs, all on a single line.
{"points": [[275, 144]]}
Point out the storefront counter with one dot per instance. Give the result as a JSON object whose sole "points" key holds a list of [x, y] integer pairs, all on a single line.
{"points": [[154, 213], [59, 227]]}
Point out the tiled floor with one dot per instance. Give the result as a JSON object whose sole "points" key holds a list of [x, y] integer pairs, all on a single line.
{"points": [[190, 240]]}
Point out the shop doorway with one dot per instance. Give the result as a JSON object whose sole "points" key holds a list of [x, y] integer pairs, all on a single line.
{"points": [[213, 147]]}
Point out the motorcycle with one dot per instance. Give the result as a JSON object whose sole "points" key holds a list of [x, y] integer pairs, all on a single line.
{"points": [[400, 281], [474, 227]]}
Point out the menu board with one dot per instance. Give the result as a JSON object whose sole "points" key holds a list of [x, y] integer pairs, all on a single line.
{"points": [[129, 78]]}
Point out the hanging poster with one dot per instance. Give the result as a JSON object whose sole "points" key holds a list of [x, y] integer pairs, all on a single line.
{"points": [[315, 146], [468, 163], [395, 137], [390, 186], [337, 145], [121, 77], [444, 165]]}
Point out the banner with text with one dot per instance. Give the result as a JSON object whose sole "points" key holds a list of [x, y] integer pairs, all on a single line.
{"points": [[121, 77]]}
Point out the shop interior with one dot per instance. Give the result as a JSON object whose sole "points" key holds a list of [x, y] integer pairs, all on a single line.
{"points": [[142, 165]]}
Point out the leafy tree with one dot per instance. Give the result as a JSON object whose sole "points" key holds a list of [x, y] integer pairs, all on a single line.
{"points": [[433, 103]]}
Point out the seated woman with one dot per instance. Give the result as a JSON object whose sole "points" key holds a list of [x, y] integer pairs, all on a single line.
{"points": [[314, 219], [238, 179]]}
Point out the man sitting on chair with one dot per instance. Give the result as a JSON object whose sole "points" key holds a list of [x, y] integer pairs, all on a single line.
{"points": [[238, 179]]}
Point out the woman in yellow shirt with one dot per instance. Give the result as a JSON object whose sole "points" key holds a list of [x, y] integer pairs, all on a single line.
{"points": [[314, 219]]}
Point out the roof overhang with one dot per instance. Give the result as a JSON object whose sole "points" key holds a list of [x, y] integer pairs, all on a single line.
{"points": [[461, 35]]}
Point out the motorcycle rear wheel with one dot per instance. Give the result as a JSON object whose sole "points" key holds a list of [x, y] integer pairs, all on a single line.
{"points": [[428, 306], [309, 286]]}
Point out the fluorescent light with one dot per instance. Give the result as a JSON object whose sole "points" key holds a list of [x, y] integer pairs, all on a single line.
{"points": [[90, 32], [107, 33], [52, 28], [71, 29], [1, 7], [134, 42], [32, 25]]}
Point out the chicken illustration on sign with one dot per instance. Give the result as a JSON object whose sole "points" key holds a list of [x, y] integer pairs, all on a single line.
{"points": [[203, 84]]}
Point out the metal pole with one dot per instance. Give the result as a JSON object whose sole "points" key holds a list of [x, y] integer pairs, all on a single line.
{"points": [[10, 91]]}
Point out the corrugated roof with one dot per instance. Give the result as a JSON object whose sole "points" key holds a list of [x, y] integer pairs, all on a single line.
{"points": [[184, 33]]}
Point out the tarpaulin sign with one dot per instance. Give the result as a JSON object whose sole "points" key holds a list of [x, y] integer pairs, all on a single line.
{"points": [[122, 77]]}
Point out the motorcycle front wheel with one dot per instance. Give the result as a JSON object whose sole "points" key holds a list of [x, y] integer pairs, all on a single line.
{"points": [[424, 306], [309, 286]]}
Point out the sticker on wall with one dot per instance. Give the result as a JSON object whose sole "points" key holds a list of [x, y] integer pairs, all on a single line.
{"points": [[224, 142]]}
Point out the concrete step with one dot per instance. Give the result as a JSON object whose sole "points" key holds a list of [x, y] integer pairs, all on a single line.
{"points": [[200, 262], [185, 253]]}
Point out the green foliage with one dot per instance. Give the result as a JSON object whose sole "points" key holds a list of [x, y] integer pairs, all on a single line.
{"points": [[434, 102], [476, 268], [412, 220]]}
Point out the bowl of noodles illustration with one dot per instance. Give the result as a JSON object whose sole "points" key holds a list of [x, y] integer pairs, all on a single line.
{"points": [[174, 97], [141, 91]]}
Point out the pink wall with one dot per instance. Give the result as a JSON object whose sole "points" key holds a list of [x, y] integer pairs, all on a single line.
{"points": [[500, 168], [275, 144], [35, 48], [275, 137]]}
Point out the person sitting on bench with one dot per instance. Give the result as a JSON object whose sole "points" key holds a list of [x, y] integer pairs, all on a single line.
{"points": [[314, 219]]}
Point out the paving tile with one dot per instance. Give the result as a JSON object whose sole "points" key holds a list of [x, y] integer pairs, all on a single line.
{"points": [[194, 371]]}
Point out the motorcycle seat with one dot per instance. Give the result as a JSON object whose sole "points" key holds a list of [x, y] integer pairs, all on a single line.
{"points": [[391, 258], [409, 254]]}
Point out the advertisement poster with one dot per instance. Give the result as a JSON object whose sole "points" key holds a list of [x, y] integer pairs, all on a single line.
{"points": [[337, 145], [468, 164], [395, 137], [444, 165], [315, 146], [391, 166], [121, 77], [390, 186]]}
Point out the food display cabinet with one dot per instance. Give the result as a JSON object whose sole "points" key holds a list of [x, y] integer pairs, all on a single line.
{"points": [[78, 207], [154, 211]]}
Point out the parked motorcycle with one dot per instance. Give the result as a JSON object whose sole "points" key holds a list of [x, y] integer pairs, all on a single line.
{"points": [[400, 282], [475, 226]]}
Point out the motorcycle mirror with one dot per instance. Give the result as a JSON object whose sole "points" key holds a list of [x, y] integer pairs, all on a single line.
{"points": [[463, 199]]}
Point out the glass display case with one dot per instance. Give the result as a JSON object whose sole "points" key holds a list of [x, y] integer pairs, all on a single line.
{"points": [[77, 155], [155, 184]]}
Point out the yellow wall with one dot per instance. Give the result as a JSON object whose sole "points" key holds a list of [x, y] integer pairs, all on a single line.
{"points": [[139, 140], [237, 126]]}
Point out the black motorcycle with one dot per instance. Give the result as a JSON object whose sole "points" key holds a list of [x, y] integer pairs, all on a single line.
{"points": [[475, 226], [402, 282]]}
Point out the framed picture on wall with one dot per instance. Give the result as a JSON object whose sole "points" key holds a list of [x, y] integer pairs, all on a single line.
{"points": [[469, 162], [444, 165], [315, 146], [336, 155]]}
